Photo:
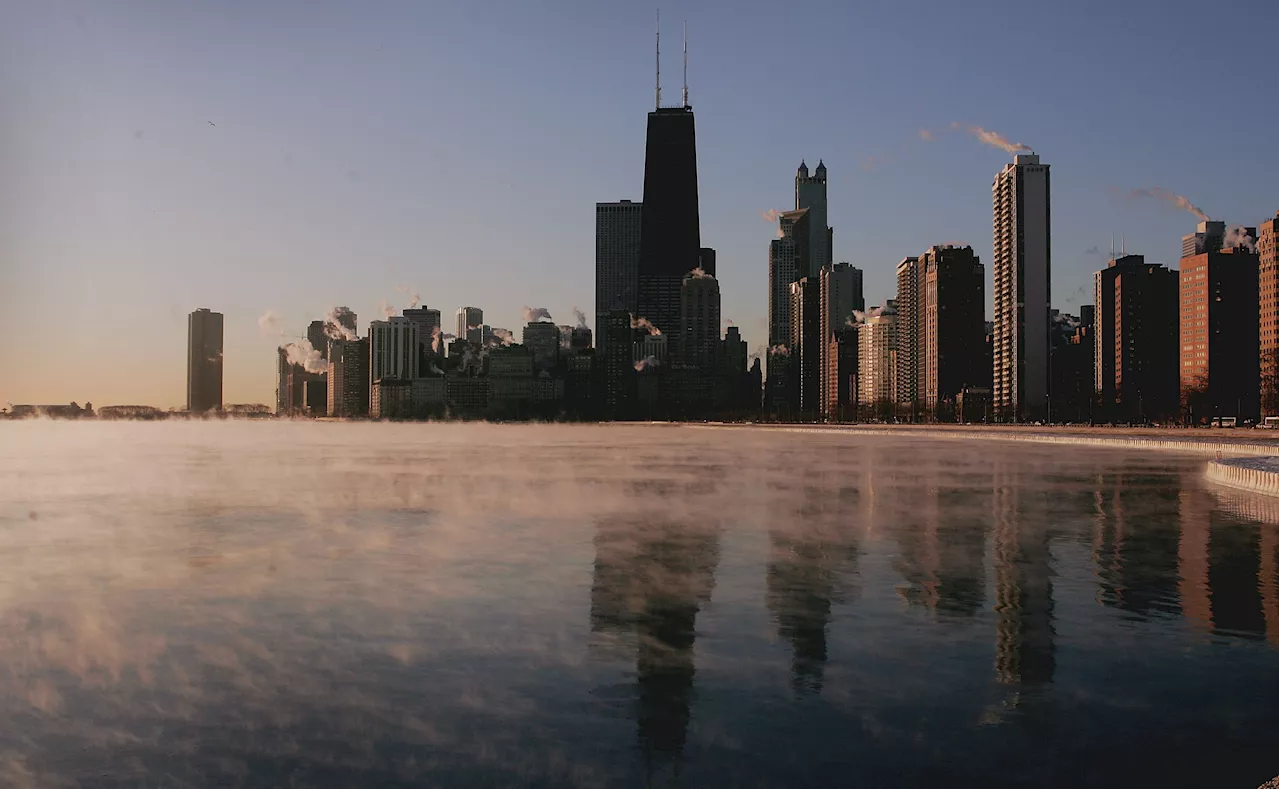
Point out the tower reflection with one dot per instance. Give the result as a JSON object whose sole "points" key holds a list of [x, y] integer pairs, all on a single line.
{"points": [[813, 558], [651, 578], [1023, 582]]}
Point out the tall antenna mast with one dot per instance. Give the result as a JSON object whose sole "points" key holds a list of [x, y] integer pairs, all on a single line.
{"points": [[657, 65], [684, 97]]}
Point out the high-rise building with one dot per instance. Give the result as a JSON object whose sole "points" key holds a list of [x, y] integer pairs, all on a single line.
{"points": [[840, 375], [617, 260], [204, 360], [616, 370], [877, 368], [707, 260], [580, 339], [700, 322], [316, 336], [839, 294], [1269, 314], [734, 354], [1020, 268], [348, 383], [670, 244], [907, 332], [1207, 238], [1135, 336], [950, 327], [787, 262], [811, 196], [428, 321], [468, 323], [806, 344], [1219, 334], [543, 338], [1071, 367], [290, 384], [393, 349]]}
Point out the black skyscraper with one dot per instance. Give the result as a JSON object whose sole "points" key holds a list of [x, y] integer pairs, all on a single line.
{"points": [[669, 239]]}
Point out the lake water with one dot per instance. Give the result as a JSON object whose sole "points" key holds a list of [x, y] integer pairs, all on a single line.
{"points": [[334, 605]]}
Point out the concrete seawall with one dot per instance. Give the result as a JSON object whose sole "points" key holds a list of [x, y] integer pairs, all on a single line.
{"points": [[1253, 474]]}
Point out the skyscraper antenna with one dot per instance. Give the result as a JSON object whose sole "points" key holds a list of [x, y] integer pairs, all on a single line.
{"points": [[1113, 246], [684, 97], [657, 64]]}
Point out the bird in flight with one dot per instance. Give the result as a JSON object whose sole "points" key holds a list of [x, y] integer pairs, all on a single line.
{"points": [[211, 123]]}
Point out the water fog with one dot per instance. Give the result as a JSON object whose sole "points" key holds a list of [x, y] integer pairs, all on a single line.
{"points": [[338, 604]]}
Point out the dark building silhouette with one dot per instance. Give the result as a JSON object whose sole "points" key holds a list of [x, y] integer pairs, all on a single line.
{"points": [[617, 261], [669, 236], [840, 392], [839, 295], [789, 256], [1219, 334], [1136, 340], [950, 326], [1071, 366], [617, 373], [204, 360]]}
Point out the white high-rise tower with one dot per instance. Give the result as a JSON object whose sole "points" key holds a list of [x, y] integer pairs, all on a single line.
{"points": [[1020, 265]]}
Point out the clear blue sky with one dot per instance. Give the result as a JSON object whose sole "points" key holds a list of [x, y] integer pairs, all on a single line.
{"points": [[459, 148]]}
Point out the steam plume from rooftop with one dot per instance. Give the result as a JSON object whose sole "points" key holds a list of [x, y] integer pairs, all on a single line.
{"points": [[1176, 200]]}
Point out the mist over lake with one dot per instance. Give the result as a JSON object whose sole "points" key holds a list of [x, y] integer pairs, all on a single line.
{"points": [[342, 604]]}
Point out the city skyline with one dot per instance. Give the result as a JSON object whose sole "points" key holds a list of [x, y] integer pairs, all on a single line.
{"points": [[150, 209]]}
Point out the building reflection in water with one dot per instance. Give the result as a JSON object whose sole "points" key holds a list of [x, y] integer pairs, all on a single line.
{"points": [[1226, 566], [812, 564], [1023, 581], [941, 534], [1169, 545], [651, 578], [1135, 542]]}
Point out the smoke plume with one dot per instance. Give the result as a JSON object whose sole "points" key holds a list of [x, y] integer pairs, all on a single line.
{"points": [[580, 317], [643, 323], [534, 314], [779, 350], [771, 215], [271, 324], [991, 138], [698, 273], [503, 337], [1176, 200], [386, 309], [926, 135], [1238, 237], [647, 363], [856, 317], [414, 298], [303, 353], [335, 321]]}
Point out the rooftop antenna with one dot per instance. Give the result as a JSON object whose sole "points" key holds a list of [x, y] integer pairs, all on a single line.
{"points": [[684, 97], [1113, 246], [657, 64], [1122, 245]]}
